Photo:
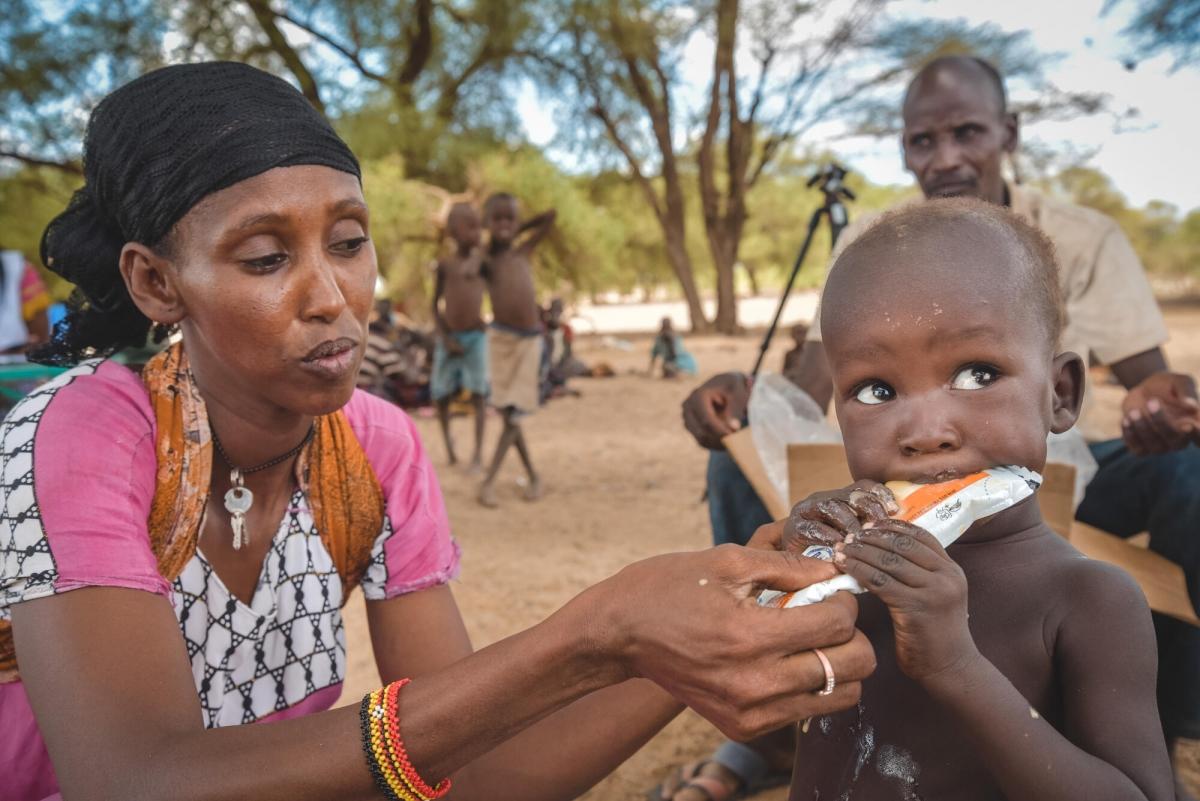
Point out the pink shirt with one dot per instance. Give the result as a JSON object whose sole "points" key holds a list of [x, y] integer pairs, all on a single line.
{"points": [[77, 476]]}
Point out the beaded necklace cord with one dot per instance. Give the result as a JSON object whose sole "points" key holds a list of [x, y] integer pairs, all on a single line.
{"points": [[239, 499]]}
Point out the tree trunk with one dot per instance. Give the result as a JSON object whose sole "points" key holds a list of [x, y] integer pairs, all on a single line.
{"points": [[752, 274], [723, 245], [723, 222], [681, 263]]}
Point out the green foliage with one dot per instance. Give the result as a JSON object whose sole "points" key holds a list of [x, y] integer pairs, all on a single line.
{"points": [[404, 231], [1167, 244], [1163, 26], [58, 58], [906, 45], [581, 252], [780, 208], [29, 199], [604, 238], [423, 92]]}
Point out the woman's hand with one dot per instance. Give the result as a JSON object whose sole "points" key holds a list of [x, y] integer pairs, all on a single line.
{"points": [[690, 623], [925, 592], [828, 517]]}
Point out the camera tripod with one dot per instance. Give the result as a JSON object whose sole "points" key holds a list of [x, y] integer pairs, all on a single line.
{"points": [[830, 179]]}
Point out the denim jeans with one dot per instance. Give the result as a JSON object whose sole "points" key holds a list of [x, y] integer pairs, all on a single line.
{"points": [[733, 505], [1159, 494]]}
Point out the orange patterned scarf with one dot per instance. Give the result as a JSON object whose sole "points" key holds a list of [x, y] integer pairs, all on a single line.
{"points": [[342, 489], [333, 471]]}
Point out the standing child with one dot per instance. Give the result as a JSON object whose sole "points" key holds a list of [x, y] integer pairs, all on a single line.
{"points": [[460, 359], [460, 354], [515, 338], [1010, 666]]}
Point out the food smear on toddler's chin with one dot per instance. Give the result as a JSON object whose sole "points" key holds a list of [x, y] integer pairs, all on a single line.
{"points": [[945, 509]]}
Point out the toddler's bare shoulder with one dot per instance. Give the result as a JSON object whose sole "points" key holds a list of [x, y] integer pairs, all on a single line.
{"points": [[1091, 595]]}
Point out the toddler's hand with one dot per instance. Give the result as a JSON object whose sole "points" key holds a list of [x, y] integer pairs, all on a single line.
{"points": [[925, 592], [828, 517]]}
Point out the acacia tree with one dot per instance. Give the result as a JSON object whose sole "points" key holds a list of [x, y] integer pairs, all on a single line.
{"points": [[1162, 26], [779, 67], [810, 63], [419, 59], [46, 77], [778, 109], [615, 65]]}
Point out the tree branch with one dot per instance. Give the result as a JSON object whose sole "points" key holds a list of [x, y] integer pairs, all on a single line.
{"points": [[69, 167], [452, 86], [350, 55], [760, 90], [589, 84], [639, 177], [704, 155], [279, 43], [420, 44]]}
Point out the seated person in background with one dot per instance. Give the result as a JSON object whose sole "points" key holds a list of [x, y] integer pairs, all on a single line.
{"points": [[791, 359], [411, 384], [23, 304], [1010, 666], [558, 354], [668, 346], [381, 358]]}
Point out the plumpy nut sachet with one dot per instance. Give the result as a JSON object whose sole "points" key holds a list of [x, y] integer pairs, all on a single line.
{"points": [[946, 510]]}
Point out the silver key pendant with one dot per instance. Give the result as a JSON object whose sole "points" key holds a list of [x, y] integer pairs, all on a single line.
{"points": [[237, 502]]}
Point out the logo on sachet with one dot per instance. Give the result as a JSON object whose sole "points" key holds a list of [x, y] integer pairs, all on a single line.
{"points": [[947, 511], [822, 552]]}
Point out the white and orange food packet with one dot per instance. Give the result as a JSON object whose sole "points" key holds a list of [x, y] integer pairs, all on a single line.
{"points": [[946, 510]]}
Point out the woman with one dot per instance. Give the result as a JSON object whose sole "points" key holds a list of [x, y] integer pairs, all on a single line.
{"points": [[151, 606]]}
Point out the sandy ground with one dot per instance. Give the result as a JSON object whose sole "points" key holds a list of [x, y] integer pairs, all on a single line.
{"points": [[623, 482], [753, 312]]}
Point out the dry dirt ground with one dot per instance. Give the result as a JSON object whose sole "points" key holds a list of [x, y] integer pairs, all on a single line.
{"points": [[623, 482]]}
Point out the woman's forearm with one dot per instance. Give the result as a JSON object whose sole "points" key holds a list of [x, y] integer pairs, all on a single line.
{"points": [[1026, 755], [564, 755], [129, 725], [130, 728], [453, 716], [447, 719]]}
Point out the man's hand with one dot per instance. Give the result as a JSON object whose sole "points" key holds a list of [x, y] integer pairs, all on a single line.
{"points": [[715, 408], [1161, 414]]}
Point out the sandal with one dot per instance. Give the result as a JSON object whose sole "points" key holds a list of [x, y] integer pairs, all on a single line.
{"points": [[714, 789], [688, 777]]}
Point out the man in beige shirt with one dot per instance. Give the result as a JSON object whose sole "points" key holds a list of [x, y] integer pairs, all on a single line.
{"points": [[957, 130]]}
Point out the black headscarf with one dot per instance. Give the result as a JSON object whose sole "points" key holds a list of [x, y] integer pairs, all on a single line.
{"points": [[154, 148]]}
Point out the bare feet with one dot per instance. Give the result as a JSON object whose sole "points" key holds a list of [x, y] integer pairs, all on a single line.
{"points": [[475, 468], [487, 496], [533, 490]]}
